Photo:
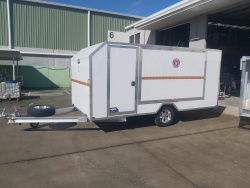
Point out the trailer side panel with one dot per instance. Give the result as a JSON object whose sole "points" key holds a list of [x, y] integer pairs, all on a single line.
{"points": [[80, 85], [170, 75], [99, 83]]}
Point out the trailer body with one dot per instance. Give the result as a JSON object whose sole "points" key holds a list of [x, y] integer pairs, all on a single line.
{"points": [[112, 80]]}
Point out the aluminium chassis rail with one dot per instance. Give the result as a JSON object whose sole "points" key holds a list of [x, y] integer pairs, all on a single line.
{"points": [[46, 119], [15, 117]]}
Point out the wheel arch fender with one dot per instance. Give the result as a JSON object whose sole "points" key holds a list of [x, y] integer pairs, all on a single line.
{"points": [[172, 105]]}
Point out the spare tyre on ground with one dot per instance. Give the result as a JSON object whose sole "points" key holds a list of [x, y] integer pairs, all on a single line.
{"points": [[41, 110]]}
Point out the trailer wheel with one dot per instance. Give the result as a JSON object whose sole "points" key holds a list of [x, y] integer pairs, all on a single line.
{"points": [[41, 110], [165, 116], [34, 125]]}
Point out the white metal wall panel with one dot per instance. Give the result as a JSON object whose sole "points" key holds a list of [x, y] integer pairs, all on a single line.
{"points": [[212, 77], [159, 62], [246, 84], [153, 90], [122, 72], [212, 84], [99, 83], [80, 84], [148, 108], [244, 107], [211, 89], [161, 80]]}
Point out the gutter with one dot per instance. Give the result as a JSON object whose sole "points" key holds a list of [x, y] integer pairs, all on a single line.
{"points": [[47, 54], [167, 12]]}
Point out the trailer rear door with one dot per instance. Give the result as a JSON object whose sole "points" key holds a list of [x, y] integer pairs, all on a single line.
{"points": [[122, 80]]}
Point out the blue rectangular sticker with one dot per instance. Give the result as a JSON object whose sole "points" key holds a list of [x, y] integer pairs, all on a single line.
{"points": [[113, 110]]}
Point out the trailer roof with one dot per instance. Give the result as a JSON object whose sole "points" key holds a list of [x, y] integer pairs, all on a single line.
{"points": [[10, 54], [86, 52]]}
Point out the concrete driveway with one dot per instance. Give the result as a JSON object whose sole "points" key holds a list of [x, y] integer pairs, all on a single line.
{"points": [[202, 149]]}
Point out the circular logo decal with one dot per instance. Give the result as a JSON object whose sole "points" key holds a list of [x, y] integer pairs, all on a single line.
{"points": [[176, 63]]}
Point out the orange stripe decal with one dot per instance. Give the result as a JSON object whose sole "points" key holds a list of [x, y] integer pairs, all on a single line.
{"points": [[80, 82], [171, 77]]}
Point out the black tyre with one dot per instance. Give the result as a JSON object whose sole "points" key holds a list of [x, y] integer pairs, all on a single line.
{"points": [[41, 110], [34, 125], [165, 116]]}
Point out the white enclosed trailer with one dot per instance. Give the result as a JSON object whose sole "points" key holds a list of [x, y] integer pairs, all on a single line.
{"points": [[115, 80]]}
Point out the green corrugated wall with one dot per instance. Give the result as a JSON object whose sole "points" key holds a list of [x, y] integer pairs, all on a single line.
{"points": [[38, 77], [50, 27], [101, 23], [45, 77], [3, 24]]}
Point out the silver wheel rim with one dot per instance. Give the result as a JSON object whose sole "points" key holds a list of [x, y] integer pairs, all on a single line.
{"points": [[165, 116], [41, 107]]}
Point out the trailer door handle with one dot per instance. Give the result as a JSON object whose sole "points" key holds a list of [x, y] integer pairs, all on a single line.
{"points": [[133, 83]]}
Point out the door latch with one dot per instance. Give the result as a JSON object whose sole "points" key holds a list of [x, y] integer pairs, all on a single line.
{"points": [[133, 83]]}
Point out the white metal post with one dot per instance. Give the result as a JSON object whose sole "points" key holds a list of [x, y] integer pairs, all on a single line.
{"points": [[14, 76], [9, 24], [89, 35], [17, 73]]}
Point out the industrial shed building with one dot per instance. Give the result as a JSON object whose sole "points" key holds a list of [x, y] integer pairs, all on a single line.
{"points": [[216, 24], [49, 34]]}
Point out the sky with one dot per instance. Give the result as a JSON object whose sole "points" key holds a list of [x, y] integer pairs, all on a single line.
{"points": [[133, 7]]}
